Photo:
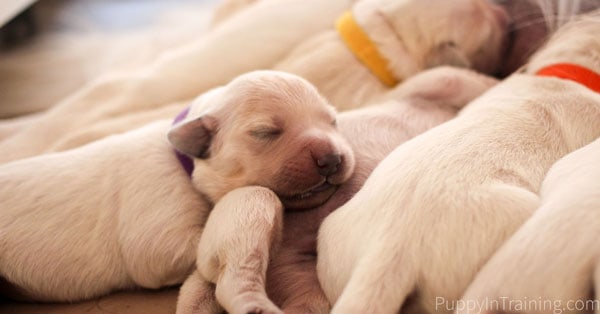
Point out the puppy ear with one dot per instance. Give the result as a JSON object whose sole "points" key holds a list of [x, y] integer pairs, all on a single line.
{"points": [[447, 53], [194, 137]]}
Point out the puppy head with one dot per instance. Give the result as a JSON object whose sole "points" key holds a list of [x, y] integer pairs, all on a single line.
{"points": [[415, 35], [575, 42], [270, 129]]}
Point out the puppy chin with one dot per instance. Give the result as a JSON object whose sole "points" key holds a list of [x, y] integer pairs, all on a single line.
{"points": [[309, 199]]}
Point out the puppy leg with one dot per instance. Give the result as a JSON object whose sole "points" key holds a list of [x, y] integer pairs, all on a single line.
{"points": [[446, 86], [387, 274], [234, 249], [197, 296], [380, 283]]}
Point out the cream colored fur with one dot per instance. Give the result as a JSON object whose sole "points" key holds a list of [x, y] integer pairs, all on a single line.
{"points": [[550, 264], [440, 205], [323, 59], [414, 45], [259, 258], [247, 42], [122, 213], [412, 35], [229, 8], [553, 257]]}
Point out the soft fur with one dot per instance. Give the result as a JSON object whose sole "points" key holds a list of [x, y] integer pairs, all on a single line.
{"points": [[551, 264], [438, 207], [415, 45], [261, 259], [401, 29], [411, 35], [228, 8], [122, 212], [244, 43], [552, 259]]}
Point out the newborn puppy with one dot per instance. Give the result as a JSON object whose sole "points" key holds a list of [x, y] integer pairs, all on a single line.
{"points": [[551, 263], [553, 256], [439, 206], [123, 213], [404, 38], [402, 44], [255, 39], [261, 259]]}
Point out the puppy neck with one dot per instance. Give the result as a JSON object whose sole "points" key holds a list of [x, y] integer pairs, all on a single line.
{"points": [[359, 43], [573, 72]]}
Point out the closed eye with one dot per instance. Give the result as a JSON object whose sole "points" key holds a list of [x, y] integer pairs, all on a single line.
{"points": [[266, 133]]}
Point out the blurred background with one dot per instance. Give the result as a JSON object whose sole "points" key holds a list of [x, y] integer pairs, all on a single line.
{"points": [[59, 45]]}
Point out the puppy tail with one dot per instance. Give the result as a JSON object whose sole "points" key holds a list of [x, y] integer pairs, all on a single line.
{"points": [[380, 284]]}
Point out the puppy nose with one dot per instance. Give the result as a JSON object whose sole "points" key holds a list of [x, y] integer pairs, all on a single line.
{"points": [[328, 164]]}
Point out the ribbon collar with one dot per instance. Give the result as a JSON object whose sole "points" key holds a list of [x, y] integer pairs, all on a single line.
{"points": [[573, 72], [186, 162], [364, 49]]}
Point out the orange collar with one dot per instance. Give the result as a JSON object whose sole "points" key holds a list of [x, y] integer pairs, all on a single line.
{"points": [[573, 72], [364, 49]]}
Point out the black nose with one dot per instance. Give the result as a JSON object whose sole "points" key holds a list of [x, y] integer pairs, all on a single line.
{"points": [[328, 164]]}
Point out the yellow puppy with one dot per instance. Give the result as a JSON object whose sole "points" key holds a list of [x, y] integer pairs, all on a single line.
{"points": [[261, 260], [122, 213], [439, 206]]}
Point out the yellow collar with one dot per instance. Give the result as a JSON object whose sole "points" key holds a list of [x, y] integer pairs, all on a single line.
{"points": [[363, 48]]}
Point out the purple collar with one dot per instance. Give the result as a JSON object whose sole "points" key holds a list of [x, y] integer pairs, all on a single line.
{"points": [[186, 162]]}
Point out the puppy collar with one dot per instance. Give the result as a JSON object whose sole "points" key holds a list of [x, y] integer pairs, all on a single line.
{"points": [[363, 48], [186, 162], [573, 72]]}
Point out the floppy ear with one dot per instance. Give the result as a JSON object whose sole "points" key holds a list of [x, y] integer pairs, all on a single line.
{"points": [[447, 53], [194, 137]]}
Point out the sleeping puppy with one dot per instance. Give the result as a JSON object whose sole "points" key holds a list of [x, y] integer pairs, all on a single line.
{"points": [[439, 206], [551, 263], [256, 259], [88, 221], [405, 37], [404, 47], [552, 258], [244, 43], [401, 31]]}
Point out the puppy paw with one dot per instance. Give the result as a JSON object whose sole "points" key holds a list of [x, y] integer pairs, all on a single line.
{"points": [[254, 304], [261, 309]]}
